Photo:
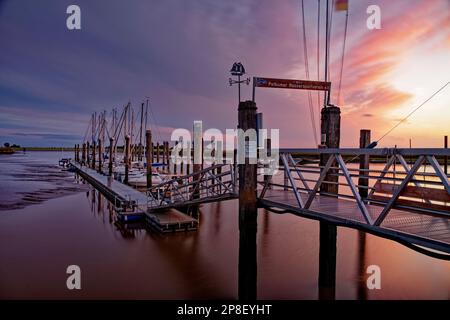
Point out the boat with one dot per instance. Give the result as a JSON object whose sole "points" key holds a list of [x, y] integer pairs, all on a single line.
{"points": [[64, 162], [140, 180]]}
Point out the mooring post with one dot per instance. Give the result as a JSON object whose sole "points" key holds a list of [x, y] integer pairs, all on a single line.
{"points": [[157, 152], [75, 152], [181, 162], [127, 158], [149, 156], [88, 156], [446, 157], [248, 210], [330, 133], [364, 163], [168, 156], [111, 148], [93, 155], [83, 155], [100, 156], [174, 164], [268, 177]]}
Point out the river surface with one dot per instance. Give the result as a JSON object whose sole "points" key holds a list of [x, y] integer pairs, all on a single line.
{"points": [[49, 220]]}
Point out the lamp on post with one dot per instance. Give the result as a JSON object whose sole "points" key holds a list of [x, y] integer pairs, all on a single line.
{"points": [[238, 70]]}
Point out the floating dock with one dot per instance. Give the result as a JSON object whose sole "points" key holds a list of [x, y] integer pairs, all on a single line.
{"points": [[131, 204]]}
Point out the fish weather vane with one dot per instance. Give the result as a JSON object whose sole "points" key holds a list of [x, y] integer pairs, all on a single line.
{"points": [[238, 70]]}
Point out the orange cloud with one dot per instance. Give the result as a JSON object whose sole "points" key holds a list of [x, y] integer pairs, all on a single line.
{"points": [[370, 61]]}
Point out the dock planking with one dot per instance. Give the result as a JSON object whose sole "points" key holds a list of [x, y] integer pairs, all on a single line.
{"points": [[427, 230]]}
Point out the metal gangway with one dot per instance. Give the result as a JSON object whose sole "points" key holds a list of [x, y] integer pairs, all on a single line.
{"points": [[405, 202], [215, 183]]}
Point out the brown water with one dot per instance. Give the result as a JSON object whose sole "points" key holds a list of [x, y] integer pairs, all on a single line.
{"points": [[39, 241]]}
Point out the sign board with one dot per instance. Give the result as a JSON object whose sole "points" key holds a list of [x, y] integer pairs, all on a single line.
{"points": [[291, 84]]}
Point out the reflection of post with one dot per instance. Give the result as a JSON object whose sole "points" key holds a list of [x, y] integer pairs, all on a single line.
{"points": [[248, 211], [364, 141], [330, 130], [149, 156], [127, 158]]}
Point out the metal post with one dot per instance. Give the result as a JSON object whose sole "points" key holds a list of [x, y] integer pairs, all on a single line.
{"points": [[364, 163], [149, 156], [248, 211], [127, 158], [111, 147], [330, 130]]}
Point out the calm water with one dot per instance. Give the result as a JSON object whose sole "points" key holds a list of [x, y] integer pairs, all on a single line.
{"points": [[49, 220]]}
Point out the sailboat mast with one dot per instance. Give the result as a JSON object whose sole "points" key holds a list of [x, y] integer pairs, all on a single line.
{"points": [[327, 43]]}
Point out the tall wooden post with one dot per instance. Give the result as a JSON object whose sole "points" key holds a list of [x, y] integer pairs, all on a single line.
{"points": [[181, 162], [446, 157], [93, 155], [149, 156], [127, 158], [75, 152], [83, 155], [330, 134], [248, 210], [100, 156], [364, 163], [111, 150], [88, 155], [157, 152], [168, 156]]}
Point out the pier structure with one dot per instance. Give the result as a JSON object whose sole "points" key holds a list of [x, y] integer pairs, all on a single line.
{"points": [[339, 187]]}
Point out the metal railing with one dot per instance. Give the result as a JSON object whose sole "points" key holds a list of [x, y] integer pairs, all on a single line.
{"points": [[212, 183], [398, 184]]}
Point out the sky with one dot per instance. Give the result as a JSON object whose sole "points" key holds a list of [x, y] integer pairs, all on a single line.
{"points": [[178, 54]]}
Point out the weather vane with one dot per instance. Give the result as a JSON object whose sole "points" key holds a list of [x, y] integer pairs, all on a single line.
{"points": [[238, 70]]}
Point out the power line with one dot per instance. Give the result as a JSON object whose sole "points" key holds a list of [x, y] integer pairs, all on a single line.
{"points": [[305, 51], [412, 112]]}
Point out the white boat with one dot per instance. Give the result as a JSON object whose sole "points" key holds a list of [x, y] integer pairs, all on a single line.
{"points": [[140, 180]]}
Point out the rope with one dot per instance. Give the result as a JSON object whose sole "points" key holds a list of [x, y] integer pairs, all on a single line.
{"points": [[318, 55], [305, 52]]}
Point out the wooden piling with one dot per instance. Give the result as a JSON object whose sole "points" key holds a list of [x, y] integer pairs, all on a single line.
{"points": [[93, 155], [268, 177], [330, 134], [248, 211], [111, 149], [174, 164], [364, 163], [157, 152], [181, 162], [88, 155], [100, 156], [149, 156], [83, 155], [127, 158], [446, 157]]}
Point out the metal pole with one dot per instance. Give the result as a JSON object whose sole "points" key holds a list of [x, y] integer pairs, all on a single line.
{"points": [[111, 147], [149, 156], [127, 158]]}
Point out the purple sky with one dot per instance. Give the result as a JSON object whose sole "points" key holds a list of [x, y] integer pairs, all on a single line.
{"points": [[178, 53]]}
